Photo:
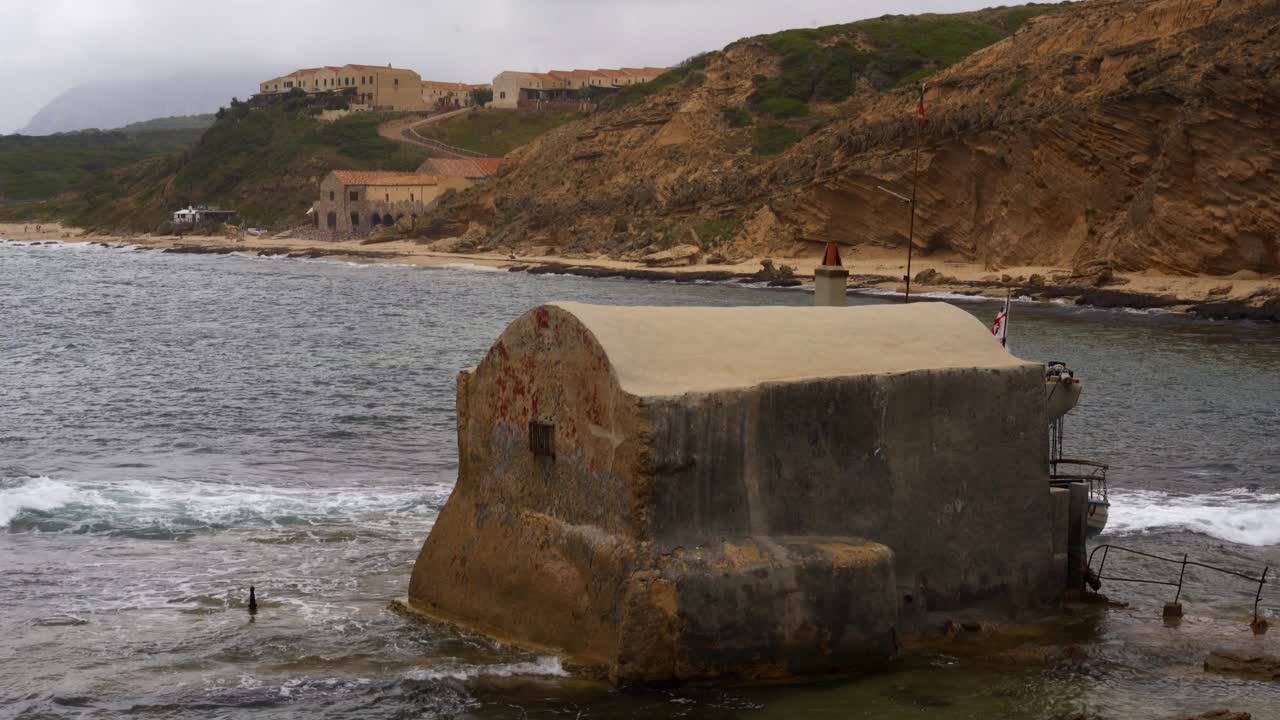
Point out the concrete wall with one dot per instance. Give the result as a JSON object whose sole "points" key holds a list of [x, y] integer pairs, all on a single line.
{"points": [[704, 524], [531, 548], [948, 468]]}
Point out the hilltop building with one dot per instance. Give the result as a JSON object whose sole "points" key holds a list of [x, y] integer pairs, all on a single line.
{"points": [[517, 89], [355, 202], [370, 87], [448, 95]]}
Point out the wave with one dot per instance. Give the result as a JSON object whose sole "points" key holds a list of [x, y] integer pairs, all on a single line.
{"points": [[546, 666], [39, 494], [939, 295], [1239, 516], [166, 509], [471, 267]]}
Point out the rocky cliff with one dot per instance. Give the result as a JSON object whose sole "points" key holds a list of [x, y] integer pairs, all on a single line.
{"points": [[1143, 132]]}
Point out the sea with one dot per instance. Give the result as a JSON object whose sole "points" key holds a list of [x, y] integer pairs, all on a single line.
{"points": [[177, 428]]}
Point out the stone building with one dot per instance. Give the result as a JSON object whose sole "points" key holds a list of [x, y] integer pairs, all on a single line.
{"points": [[371, 87], [448, 95], [356, 202], [511, 88], [679, 494]]}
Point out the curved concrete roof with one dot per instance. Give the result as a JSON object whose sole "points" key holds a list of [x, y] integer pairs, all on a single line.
{"points": [[662, 351]]}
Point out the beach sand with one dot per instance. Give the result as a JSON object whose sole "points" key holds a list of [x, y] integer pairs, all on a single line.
{"points": [[869, 267]]}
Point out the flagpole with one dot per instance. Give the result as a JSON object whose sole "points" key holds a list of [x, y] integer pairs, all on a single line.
{"points": [[915, 177], [1004, 326]]}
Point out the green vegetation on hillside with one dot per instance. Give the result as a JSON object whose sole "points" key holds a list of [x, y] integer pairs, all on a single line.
{"points": [[494, 131], [827, 63], [40, 167], [688, 73], [263, 158], [177, 122], [773, 139]]}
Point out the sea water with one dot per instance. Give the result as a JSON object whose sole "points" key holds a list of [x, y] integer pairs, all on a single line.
{"points": [[176, 428]]}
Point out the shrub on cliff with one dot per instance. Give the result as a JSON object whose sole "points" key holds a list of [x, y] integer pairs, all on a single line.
{"points": [[773, 139]]}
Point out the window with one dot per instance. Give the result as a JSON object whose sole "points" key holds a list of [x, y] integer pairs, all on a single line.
{"points": [[355, 219], [410, 197], [330, 196], [397, 82], [386, 197], [503, 95], [542, 439], [354, 195]]}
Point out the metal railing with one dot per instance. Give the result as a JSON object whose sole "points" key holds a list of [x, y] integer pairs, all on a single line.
{"points": [[1182, 573]]}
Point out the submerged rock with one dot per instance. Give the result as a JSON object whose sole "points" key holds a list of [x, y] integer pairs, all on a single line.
{"points": [[1256, 667]]}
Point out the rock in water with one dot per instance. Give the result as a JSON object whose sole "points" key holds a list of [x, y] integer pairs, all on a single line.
{"points": [[675, 257], [1255, 667]]}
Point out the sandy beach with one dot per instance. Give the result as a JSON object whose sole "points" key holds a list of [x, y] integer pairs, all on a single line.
{"points": [[870, 268]]}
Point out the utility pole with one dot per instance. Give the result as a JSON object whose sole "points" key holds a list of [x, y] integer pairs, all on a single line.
{"points": [[915, 176]]}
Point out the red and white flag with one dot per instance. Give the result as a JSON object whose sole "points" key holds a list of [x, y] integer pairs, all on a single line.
{"points": [[1001, 327]]}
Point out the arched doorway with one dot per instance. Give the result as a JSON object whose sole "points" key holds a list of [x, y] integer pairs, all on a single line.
{"points": [[374, 221], [386, 219], [332, 220]]}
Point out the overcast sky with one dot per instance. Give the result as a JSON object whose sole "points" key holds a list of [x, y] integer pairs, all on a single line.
{"points": [[51, 45]]}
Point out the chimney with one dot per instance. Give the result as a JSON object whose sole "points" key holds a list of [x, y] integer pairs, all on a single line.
{"points": [[830, 279]]}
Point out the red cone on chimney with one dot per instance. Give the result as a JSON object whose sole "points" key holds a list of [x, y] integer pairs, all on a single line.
{"points": [[832, 256]]}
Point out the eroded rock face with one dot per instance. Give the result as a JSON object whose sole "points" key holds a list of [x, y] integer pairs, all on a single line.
{"points": [[1141, 132], [741, 518]]}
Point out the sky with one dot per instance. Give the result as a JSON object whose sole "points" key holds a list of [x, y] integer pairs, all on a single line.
{"points": [[52, 45]]}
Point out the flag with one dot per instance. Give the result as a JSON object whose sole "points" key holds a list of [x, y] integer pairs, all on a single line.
{"points": [[1001, 327], [920, 109]]}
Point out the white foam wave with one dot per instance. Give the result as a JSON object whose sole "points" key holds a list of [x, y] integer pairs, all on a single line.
{"points": [[936, 295], [1238, 516], [472, 267], [40, 494], [87, 506], [546, 666]]}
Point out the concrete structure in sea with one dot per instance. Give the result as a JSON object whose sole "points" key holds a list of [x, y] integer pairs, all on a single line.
{"points": [[684, 494]]}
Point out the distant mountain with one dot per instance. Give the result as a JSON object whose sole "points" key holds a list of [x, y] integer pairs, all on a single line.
{"points": [[115, 104]]}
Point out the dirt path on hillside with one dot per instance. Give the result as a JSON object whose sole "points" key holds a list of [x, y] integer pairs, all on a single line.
{"points": [[402, 130]]}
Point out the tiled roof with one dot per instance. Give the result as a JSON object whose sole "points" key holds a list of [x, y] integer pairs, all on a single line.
{"points": [[364, 177], [439, 85], [489, 165], [374, 67], [462, 167]]}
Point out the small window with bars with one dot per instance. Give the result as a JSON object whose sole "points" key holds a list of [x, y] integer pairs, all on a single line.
{"points": [[542, 439]]}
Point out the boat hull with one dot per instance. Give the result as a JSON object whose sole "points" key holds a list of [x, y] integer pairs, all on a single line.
{"points": [[1097, 522]]}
